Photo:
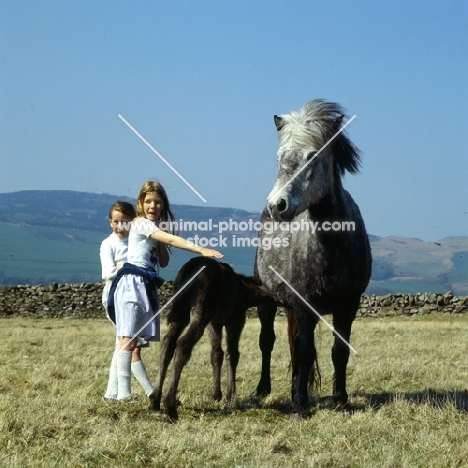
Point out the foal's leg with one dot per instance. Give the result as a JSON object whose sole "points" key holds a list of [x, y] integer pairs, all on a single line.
{"points": [[233, 332], [168, 347], [340, 356], [266, 341], [198, 322], [217, 356]]}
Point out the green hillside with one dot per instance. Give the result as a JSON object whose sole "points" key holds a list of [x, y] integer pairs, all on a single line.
{"points": [[54, 236], [44, 255], [32, 255]]}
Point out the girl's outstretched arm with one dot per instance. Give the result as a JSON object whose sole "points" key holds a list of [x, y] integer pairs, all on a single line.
{"points": [[181, 243]]}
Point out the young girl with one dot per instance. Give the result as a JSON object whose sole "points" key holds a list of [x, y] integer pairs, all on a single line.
{"points": [[113, 254], [133, 297]]}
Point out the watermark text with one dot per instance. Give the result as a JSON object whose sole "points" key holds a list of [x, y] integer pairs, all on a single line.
{"points": [[268, 227], [222, 234]]}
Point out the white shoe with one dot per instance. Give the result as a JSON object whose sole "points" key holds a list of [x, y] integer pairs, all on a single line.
{"points": [[129, 399], [109, 397]]}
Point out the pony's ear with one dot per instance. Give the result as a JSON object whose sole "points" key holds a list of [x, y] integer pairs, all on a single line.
{"points": [[278, 122]]}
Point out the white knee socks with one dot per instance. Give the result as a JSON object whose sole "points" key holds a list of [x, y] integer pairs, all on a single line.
{"points": [[124, 374], [121, 368], [112, 385], [139, 371]]}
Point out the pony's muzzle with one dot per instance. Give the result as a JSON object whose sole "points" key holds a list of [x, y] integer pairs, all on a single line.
{"points": [[278, 209]]}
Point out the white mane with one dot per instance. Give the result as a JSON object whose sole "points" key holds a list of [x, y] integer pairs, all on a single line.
{"points": [[310, 126], [313, 126]]}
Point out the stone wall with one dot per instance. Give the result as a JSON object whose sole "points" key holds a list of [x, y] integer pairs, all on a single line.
{"points": [[75, 301], [79, 301], [412, 304]]}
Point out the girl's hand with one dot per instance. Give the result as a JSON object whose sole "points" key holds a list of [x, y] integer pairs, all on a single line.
{"points": [[211, 253]]}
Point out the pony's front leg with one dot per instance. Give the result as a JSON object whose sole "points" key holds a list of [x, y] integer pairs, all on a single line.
{"points": [[217, 356], [168, 347], [266, 314], [340, 357], [303, 357]]}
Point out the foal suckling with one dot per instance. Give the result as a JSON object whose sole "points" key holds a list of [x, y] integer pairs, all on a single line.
{"points": [[217, 297]]}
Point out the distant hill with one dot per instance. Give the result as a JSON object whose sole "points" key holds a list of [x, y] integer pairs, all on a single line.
{"points": [[409, 265], [54, 235], [88, 211]]}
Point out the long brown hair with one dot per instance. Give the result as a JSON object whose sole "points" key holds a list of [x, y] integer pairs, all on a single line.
{"points": [[152, 186]]}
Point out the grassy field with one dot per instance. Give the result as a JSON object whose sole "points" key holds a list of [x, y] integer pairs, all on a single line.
{"points": [[407, 384]]}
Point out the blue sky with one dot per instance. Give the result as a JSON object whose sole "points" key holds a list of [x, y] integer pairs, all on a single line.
{"points": [[201, 81]]}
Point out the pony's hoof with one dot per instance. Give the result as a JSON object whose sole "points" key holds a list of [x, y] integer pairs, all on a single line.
{"points": [[263, 390], [345, 408], [340, 398], [300, 412], [299, 416]]}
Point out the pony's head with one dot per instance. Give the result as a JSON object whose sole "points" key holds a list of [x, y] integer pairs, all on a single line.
{"points": [[312, 157]]}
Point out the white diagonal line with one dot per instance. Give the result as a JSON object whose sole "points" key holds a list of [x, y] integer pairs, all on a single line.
{"points": [[313, 310], [311, 159], [162, 159], [165, 305]]}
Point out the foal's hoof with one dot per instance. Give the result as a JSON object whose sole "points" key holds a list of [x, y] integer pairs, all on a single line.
{"points": [[217, 396], [154, 405], [172, 413]]}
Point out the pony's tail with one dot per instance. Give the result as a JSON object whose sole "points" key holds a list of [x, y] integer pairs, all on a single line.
{"points": [[315, 379]]}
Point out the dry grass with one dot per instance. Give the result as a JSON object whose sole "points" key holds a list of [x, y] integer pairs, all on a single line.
{"points": [[407, 385]]}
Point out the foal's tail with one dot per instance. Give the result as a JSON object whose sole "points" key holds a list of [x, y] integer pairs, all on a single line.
{"points": [[315, 379]]}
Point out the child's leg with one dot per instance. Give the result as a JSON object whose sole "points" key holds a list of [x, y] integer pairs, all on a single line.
{"points": [[139, 371], [136, 355], [124, 363], [112, 385]]}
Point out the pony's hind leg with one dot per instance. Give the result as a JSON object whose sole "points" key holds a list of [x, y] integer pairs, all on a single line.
{"points": [[340, 356], [266, 341], [217, 357], [198, 322], [168, 347]]}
